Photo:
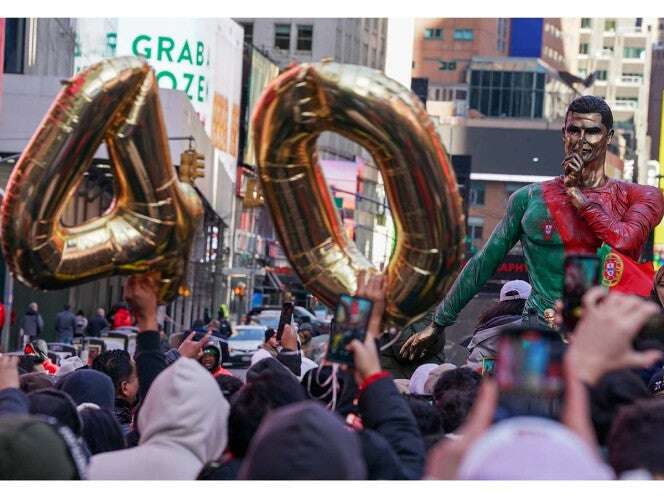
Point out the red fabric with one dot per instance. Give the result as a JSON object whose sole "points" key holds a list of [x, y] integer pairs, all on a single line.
{"points": [[373, 378], [2, 315], [622, 274], [619, 213], [122, 318], [221, 371], [50, 367]]}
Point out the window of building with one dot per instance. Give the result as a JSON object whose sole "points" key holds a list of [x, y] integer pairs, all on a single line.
{"points": [[248, 28], [608, 49], [463, 34], [433, 34], [365, 54], [282, 36], [633, 52], [586, 22], [610, 25], [461, 95], [475, 228], [14, 45], [510, 188], [447, 65], [639, 22], [507, 94], [305, 37], [584, 48], [476, 193], [601, 75]]}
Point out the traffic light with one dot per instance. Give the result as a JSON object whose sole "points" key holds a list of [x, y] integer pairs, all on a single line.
{"points": [[191, 166]]}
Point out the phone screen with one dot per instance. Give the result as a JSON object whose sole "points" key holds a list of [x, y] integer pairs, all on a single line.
{"points": [[350, 322], [581, 273], [285, 318], [529, 373]]}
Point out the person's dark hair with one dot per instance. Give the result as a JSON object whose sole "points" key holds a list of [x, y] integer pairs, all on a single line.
{"points": [[198, 325], [501, 308], [66, 307], [101, 431], [229, 385], [57, 404], [587, 104], [34, 381], [613, 391], [428, 418], [269, 333], [634, 441], [454, 395], [266, 365], [80, 312], [115, 363], [266, 392]]}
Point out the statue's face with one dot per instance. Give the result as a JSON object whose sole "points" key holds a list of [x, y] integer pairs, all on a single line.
{"points": [[586, 135]]}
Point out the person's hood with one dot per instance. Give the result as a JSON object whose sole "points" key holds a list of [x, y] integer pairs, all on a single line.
{"points": [[57, 404], [419, 378], [89, 386], [304, 441], [183, 425], [32, 449], [531, 448]]}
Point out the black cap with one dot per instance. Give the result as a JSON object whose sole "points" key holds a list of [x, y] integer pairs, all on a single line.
{"points": [[269, 333]]}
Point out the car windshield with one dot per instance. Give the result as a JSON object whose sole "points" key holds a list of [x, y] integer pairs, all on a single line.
{"points": [[251, 334]]}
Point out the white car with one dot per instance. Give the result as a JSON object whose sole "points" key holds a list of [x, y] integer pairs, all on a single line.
{"points": [[244, 342]]}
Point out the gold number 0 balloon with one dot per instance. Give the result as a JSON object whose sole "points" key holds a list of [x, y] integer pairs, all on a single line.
{"points": [[387, 120], [151, 221]]}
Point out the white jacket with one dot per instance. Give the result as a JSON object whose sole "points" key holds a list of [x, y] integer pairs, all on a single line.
{"points": [[183, 425]]}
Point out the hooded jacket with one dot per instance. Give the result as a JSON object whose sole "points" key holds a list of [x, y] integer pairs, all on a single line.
{"points": [[304, 441], [182, 423]]}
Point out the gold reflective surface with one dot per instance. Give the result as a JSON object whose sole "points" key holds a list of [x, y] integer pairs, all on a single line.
{"points": [[151, 222], [388, 120]]}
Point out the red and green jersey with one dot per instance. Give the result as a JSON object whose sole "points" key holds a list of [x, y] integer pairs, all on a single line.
{"points": [[542, 217]]}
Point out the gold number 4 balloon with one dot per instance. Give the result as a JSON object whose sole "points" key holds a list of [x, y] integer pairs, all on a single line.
{"points": [[151, 222], [387, 120]]}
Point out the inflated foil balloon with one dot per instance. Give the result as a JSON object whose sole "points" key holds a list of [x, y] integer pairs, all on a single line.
{"points": [[388, 120], [151, 222]]}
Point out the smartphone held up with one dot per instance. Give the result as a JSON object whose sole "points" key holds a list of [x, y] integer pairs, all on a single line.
{"points": [[351, 319]]}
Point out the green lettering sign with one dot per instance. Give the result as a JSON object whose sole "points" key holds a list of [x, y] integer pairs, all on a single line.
{"points": [[146, 51], [199, 53], [201, 88], [185, 54], [190, 78], [170, 76], [165, 45]]}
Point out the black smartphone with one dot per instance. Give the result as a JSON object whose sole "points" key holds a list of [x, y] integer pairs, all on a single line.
{"points": [[529, 373], [350, 322], [285, 318], [581, 273]]}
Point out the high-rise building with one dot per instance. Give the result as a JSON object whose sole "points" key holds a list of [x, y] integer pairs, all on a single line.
{"points": [[442, 52], [618, 51], [538, 37]]}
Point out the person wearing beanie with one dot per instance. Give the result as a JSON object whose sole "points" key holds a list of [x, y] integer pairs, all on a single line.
{"points": [[35, 449], [57, 404], [179, 432], [527, 448], [269, 348], [304, 441], [35, 380], [89, 386]]}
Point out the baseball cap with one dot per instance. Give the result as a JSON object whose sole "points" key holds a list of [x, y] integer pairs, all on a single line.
{"points": [[515, 289]]}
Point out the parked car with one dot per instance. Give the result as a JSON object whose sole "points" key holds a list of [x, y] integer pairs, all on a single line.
{"points": [[244, 342], [269, 316]]}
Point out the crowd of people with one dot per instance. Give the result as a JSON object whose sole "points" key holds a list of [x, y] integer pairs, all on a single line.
{"points": [[178, 414]]}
